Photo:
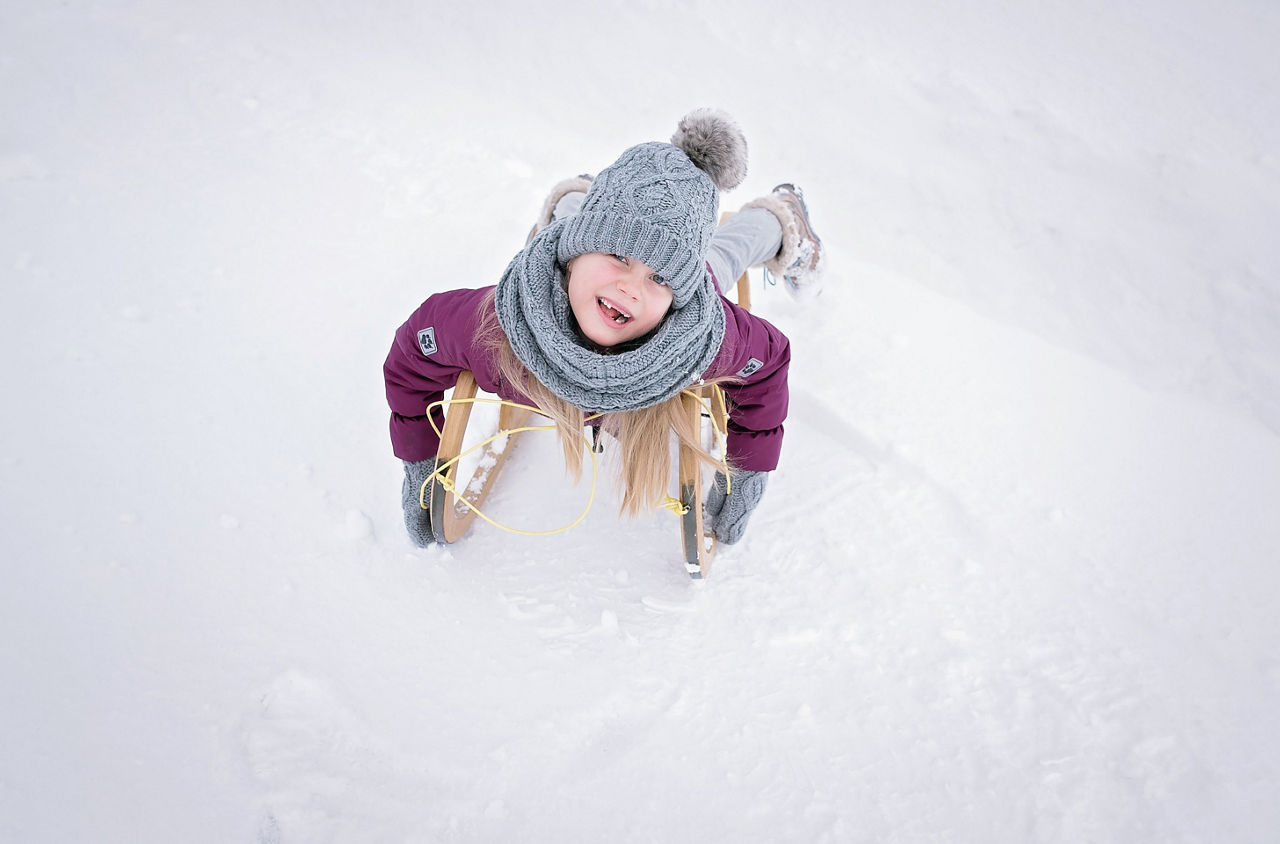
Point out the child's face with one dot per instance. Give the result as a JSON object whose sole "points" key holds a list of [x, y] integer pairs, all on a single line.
{"points": [[614, 298]]}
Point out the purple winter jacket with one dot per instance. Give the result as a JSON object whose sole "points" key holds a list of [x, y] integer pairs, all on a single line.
{"points": [[440, 339]]}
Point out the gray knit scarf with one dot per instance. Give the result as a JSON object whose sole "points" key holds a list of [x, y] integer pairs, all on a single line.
{"points": [[534, 312]]}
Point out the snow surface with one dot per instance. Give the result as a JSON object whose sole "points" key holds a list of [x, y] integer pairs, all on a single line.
{"points": [[1016, 579]]}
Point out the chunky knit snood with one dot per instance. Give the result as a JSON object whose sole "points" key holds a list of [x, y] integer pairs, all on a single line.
{"points": [[534, 312]]}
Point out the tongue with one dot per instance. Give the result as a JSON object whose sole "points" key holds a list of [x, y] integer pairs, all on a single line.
{"points": [[611, 312]]}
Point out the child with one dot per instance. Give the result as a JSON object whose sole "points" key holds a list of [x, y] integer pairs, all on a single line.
{"points": [[614, 307]]}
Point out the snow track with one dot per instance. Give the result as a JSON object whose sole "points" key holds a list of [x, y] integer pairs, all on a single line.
{"points": [[1015, 581]]}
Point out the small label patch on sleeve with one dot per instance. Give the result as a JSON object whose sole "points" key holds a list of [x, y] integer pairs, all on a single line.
{"points": [[427, 341], [752, 367]]}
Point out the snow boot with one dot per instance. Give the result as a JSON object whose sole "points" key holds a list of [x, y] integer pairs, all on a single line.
{"points": [[800, 260]]}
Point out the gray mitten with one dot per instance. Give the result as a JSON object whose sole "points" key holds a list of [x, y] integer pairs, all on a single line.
{"points": [[726, 515], [416, 519]]}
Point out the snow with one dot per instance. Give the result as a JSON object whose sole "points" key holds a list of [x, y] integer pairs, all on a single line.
{"points": [[1016, 579]]}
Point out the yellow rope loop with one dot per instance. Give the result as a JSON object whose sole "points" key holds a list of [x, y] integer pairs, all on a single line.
{"points": [[440, 475], [675, 505], [720, 430]]}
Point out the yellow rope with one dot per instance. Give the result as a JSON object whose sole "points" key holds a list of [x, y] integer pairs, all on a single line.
{"points": [[675, 505], [720, 430], [441, 476]]}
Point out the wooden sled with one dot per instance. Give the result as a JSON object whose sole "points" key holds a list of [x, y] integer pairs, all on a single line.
{"points": [[450, 518], [699, 545]]}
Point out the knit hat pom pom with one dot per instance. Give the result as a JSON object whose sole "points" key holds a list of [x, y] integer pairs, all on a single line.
{"points": [[715, 145]]}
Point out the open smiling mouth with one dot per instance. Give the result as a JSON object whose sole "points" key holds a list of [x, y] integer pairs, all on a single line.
{"points": [[612, 313]]}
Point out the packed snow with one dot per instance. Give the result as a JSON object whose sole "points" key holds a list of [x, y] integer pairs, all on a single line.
{"points": [[1016, 579]]}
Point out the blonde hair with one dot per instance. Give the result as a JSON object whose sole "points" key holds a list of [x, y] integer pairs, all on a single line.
{"points": [[644, 436]]}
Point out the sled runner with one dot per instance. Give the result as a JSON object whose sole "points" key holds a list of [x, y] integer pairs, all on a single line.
{"points": [[453, 510], [450, 516], [707, 409]]}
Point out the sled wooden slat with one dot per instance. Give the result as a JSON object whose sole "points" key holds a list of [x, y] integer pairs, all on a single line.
{"points": [[744, 292], [450, 519], [699, 546], [698, 551]]}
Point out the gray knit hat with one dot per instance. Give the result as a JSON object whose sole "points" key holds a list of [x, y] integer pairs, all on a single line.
{"points": [[659, 203]]}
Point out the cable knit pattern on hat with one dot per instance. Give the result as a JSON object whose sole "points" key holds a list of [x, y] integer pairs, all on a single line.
{"points": [[653, 205]]}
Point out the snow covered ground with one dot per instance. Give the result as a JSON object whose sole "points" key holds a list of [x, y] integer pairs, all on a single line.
{"points": [[1016, 580]]}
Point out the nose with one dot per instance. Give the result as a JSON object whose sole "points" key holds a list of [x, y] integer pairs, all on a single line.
{"points": [[627, 286], [631, 281]]}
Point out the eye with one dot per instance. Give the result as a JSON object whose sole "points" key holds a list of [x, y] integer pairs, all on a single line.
{"points": [[657, 279], [623, 258]]}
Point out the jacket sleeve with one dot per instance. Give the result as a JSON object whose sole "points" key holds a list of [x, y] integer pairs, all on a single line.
{"points": [[436, 343], [755, 357]]}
